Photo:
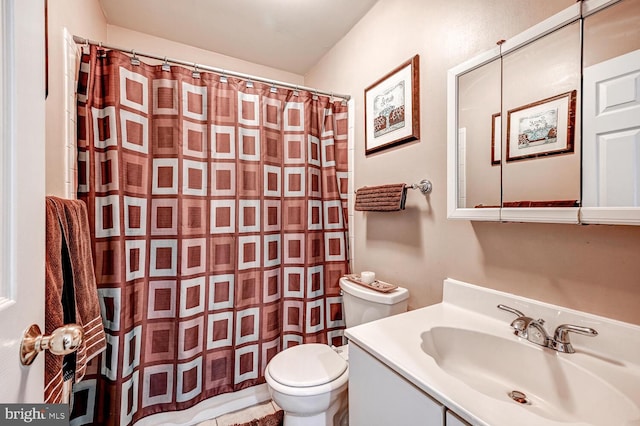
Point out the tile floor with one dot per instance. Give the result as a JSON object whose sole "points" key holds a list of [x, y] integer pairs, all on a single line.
{"points": [[243, 416]]}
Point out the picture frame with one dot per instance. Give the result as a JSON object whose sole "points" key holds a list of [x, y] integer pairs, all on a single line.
{"points": [[496, 139], [392, 108], [542, 128]]}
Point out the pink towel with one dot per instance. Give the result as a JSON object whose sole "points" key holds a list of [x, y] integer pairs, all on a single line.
{"points": [[71, 292]]}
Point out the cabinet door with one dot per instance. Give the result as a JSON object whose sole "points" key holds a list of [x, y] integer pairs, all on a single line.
{"points": [[378, 396], [452, 419]]}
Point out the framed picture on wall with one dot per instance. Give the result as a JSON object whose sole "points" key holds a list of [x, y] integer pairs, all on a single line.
{"points": [[542, 128], [392, 108], [496, 139]]}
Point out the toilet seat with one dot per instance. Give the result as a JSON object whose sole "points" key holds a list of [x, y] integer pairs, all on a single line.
{"points": [[307, 365]]}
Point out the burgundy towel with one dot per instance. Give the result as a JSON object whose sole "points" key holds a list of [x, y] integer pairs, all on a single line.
{"points": [[71, 292], [383, 198]]}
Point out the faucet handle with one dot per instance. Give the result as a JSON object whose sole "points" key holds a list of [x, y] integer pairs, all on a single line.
{"points": [[510, 309], [521, 324], [561, 341]]}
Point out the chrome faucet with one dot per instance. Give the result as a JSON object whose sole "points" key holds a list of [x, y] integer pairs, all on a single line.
{"points": [[534, 331]]}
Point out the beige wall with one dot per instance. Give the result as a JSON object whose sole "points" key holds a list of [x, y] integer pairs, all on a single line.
{"points": [[128, 39], [589, 268], [83, 18]]}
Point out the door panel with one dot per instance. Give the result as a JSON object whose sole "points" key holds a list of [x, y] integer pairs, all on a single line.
{"points": [[22, 118]]}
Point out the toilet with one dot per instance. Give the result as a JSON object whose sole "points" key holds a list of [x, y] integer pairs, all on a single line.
{"points": [[309, 381]]}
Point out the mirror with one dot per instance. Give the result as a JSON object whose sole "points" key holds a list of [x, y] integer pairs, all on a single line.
{"points": [[479, 145], [569, 122], [540, 106], [534, 81], [473, 170], [611, 129]]}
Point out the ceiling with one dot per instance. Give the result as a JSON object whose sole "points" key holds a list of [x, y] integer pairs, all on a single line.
{"points": [[290, 35]]}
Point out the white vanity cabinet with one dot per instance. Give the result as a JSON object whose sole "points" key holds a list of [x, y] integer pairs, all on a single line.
{"points": [[452, 419], [378, 396]]}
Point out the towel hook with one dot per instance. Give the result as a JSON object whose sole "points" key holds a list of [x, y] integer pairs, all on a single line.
{"points": [[64, 340]]}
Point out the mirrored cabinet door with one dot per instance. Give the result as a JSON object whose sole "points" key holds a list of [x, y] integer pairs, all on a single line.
{"points": [[540, 128], [479, 148], [474, 149], [611, 129]]}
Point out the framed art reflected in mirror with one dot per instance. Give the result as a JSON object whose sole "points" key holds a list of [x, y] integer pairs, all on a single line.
{"points": [[542, 128]]}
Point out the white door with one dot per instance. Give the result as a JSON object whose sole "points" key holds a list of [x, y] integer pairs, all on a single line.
{"points": [[22, 191], [611, 139]]}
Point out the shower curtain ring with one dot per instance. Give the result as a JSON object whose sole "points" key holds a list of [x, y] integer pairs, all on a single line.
{"points": [[101, 52], [165, 65], [134, 58]]}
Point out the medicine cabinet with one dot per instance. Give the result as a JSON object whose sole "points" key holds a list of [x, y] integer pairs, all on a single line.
{"points": [[545, 127]]}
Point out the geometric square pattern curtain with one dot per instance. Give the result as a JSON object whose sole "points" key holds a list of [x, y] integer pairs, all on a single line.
{"points": [[219, 230]]}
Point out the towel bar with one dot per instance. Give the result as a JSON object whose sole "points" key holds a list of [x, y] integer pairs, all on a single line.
{"points": [[424, 186]]}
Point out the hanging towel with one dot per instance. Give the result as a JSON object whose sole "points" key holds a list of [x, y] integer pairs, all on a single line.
{"points": [[71, 294], [383, 198]]}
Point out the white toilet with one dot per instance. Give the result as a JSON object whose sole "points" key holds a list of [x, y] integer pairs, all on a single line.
{"points": [[309, 381]]}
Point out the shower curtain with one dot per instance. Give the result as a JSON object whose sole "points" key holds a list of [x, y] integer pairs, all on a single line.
{"points": [[219, 230]]}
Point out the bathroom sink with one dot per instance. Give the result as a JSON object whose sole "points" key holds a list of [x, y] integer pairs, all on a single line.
{"points": [[547, 383]]}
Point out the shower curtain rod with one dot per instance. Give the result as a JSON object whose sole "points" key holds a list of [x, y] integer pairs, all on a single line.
{"points": [[82, 40]]}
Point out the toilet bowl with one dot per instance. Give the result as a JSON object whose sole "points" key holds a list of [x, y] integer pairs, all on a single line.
{"points": [[309, 381]]}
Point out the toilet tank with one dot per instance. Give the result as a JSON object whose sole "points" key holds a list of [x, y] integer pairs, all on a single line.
{"points": [[362, 305]]}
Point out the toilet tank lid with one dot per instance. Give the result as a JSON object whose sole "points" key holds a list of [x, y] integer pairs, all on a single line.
{"points": [[309, 364], [391, 298]]}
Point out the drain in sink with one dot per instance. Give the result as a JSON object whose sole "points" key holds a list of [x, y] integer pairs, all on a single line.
{"points": [[519, 397]]}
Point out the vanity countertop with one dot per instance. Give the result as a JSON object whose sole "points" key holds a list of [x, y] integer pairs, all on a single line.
{"points": [[400, 341]]}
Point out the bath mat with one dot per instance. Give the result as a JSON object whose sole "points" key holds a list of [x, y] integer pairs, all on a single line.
{"points": [[274, 419]]}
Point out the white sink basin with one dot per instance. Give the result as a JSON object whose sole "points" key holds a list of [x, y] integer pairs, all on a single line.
{"points": [[556, 388]]}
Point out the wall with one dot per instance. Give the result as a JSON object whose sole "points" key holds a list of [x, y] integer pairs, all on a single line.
{"points": [[589, 268], [128, 39], [83, 18]]}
